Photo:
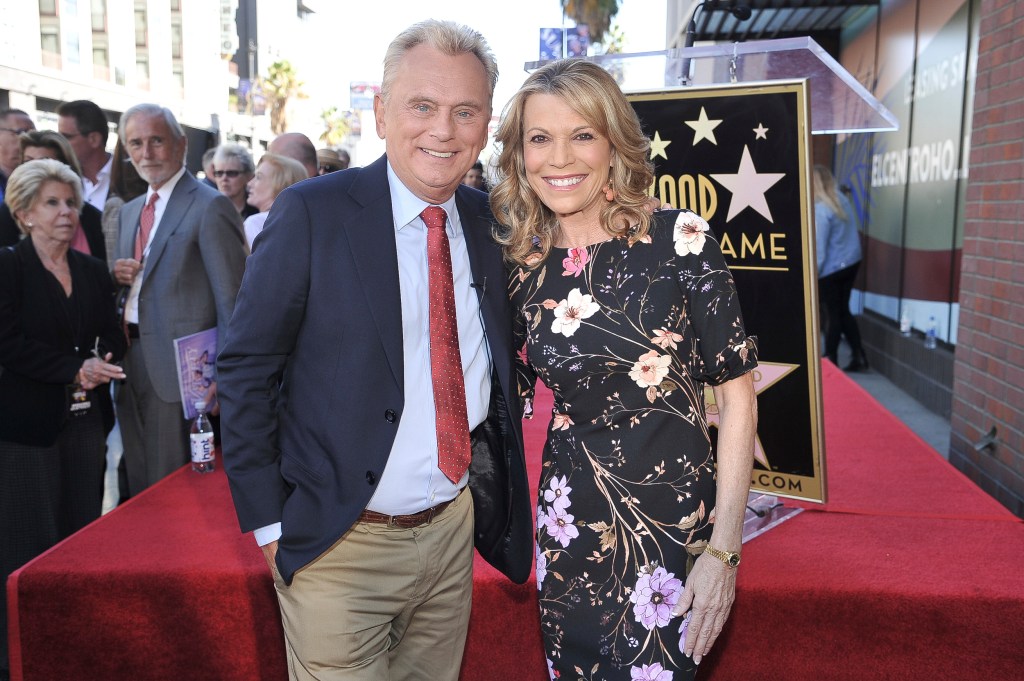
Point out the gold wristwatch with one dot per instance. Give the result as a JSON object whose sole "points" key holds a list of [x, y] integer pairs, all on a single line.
{"points": [[728, 557]]}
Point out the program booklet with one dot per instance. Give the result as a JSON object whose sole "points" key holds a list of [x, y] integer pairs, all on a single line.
{"points": [[196, 357]]}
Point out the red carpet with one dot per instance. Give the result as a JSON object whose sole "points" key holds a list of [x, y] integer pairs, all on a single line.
{"points": [[910, 572]]}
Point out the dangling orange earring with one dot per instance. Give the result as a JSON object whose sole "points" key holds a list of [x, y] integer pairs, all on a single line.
{"points": [[609, 193]]}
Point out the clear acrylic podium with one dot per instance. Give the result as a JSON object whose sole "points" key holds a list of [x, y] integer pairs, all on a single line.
{"points": [[839, 103]]}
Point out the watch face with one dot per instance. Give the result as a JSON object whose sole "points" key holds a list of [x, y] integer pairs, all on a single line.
{"points": [[734, 559]]}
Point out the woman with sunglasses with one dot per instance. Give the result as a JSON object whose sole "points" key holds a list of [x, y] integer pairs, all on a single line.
{"points": [[232, 170]]}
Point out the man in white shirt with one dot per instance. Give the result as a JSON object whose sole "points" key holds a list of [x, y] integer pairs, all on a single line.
{"points": [[181, 253], [85, 127]]}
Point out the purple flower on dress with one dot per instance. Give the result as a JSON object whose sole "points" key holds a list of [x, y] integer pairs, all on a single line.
{"points": [[542, 566], [557, 493], [654, 596], [559, 525], [653, 672], [683, 629]]}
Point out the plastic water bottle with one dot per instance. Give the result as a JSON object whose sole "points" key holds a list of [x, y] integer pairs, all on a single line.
{"points": [[201, 439], [905, 322], [929, 334]]}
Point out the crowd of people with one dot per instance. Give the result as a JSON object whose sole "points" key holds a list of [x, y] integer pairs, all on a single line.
{"points": [[378, 357]]}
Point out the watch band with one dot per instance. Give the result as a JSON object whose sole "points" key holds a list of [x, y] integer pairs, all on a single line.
{"points": [[730, 558]]}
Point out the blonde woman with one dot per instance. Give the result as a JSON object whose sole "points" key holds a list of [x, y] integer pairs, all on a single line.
{"points": [[626, 317], [839, 257], [59, 335], [274, 174]]}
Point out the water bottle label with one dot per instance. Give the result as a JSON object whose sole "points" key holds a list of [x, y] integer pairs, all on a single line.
{"points": [[202, 447]]}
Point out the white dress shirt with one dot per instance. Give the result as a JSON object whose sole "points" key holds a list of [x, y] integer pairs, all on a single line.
{"points": [[131, 308], [96, 193]]}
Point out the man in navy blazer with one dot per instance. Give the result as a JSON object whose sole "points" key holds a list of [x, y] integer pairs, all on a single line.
{"points": [[328, 421]]}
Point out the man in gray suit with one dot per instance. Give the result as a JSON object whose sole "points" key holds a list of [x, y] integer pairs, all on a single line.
{"points": [[181, 252]]}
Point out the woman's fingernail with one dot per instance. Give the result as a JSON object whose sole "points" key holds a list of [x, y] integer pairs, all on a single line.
{"points": [[696, 659]]}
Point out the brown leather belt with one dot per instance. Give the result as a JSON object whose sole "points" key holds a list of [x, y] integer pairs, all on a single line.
{"points": [[406, 521]]}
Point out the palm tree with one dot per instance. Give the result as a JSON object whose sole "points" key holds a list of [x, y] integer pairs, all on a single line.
{"points": [[281, 84], [336, 126], [597, 14]]}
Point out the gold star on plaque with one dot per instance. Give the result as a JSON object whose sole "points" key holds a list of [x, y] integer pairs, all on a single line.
{"points": [[658, 146], [765, 376], [704, 128]]}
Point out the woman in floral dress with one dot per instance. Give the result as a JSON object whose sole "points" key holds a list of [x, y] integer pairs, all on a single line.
{"points": [[626, 317]]}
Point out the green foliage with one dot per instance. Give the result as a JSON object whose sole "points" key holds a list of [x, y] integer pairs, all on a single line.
{"points": [[597, 14], [336, 126], [281, 84]]}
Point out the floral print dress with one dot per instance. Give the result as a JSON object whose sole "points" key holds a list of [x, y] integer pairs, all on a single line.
{"points": [[627, 337]]}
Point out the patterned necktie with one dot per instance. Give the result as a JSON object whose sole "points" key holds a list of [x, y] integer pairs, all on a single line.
{"points": [[453, 452], [145, 226]]}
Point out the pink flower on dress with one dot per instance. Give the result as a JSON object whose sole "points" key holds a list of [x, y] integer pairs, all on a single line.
{"points": [[557, 493], [561, 422], [559, 525], [572, 311], [655, 595], [664, 338], [650, 369], [652, 672], [688, 234], [575, 261]]}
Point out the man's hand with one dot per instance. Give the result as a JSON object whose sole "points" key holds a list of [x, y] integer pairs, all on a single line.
{"points": [[125, 270], [270, 553]]}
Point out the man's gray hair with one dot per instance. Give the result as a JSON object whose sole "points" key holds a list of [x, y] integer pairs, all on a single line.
{"points": [[147, 109], [447, 37]]}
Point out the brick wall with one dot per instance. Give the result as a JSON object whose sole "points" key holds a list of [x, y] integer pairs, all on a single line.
{"points": [[988, 375]]}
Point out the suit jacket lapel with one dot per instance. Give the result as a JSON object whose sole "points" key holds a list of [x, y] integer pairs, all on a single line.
{"points": [[177, 206], [485, 260], [371, 237]]}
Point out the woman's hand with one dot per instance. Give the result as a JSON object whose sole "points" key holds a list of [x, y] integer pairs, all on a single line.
{"points": [[96, 372], [710, 591]]}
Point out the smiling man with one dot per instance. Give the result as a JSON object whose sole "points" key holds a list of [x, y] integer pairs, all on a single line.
{"points": [[181, 253], [367, 380]]}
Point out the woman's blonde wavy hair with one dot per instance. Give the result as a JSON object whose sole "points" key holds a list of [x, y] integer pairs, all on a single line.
{"points": [[525, 224]]}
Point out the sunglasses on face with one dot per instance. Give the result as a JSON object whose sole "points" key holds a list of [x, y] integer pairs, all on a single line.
{"points": [[228, 173]]}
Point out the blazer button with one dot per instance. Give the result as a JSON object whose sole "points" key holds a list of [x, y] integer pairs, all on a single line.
{"points": [[371, 478], [390, 416]]}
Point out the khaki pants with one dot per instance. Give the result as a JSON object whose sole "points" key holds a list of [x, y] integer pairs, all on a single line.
{"points": [[384, 603]]}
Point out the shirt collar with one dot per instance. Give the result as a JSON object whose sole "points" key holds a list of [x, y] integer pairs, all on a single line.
{"points": [[407, 207], [167, 188]]}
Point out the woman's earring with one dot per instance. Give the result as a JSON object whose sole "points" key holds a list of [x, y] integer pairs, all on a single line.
{"points": [[609, 193]]}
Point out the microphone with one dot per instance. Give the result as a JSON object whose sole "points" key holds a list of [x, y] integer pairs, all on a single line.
{"points": [[481, 287]]}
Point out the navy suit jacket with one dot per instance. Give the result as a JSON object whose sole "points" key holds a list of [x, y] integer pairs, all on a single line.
{"points": [[310, 378]]}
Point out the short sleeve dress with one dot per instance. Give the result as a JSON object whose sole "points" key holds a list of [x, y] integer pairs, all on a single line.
{"points": [[629, 338]]}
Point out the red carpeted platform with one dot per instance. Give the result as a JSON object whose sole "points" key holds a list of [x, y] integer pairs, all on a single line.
{"points": [[910, 572]]}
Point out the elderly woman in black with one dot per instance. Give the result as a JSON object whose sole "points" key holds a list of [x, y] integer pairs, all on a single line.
{"points": [[59, 335]]}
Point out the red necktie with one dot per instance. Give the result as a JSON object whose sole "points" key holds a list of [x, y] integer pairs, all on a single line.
{"points": [[145, 226], [453, 452]]}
